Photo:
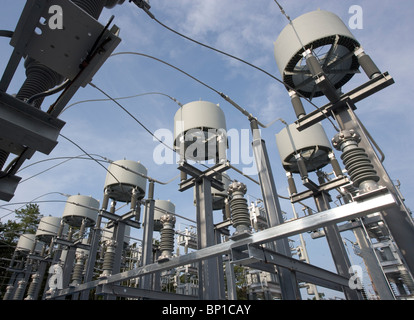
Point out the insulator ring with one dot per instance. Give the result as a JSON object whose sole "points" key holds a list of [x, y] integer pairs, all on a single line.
{"points": [[109, 260], [77, 272], [359, 166], [239, 212], [167, 240]]}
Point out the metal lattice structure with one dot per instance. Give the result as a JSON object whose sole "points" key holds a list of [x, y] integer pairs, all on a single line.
{"points": [[87, 250]]}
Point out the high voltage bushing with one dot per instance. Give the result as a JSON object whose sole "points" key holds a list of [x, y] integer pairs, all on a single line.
{"points": [[240, 215], [78, 268], [367, 64], [356, 161], [18, 295], [33, 287], [109, 259], [167, 237], [8, 293]]}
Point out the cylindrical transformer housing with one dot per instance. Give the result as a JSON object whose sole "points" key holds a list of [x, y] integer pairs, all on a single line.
{"points": [[196, 128], [79, 208], [312, 144], [328, 36], [26, 242], [123, 177], [162, 207], [48, 228]]}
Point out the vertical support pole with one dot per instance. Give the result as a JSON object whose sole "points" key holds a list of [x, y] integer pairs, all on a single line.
{"points": [[220, 270], [304, 252], [119, 239], [337, 248], [288, 282], [90, 264], [68, 266], [208, 273], [231, 281], [148, 231]]}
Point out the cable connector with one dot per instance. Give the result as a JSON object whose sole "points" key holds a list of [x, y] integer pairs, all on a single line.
{"points": [[144, 5]]}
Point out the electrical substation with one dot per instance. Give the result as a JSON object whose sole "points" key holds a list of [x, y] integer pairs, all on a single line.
{"points": [[85, 252]]}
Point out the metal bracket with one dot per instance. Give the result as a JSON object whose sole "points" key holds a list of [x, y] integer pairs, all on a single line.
{"points": [[124, 218], [22, 125], [304, 271], [356, 95], [315, 189], [197, 174]]}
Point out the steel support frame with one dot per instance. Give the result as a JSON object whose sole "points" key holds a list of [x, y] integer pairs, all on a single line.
{"points": [[367, 89], [287, 278], [304, 271], [364, 206], [398, 219]]}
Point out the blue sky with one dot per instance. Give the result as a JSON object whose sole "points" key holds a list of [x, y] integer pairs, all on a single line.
{"points": [[246, 29]]}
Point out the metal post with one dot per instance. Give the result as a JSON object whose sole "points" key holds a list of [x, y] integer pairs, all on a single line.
{"points": [[231, 281], [147, 254], [90, 264], [287, 278], [208, 273], [119, 238], [337, 247], [220, 269], [305, 253]]}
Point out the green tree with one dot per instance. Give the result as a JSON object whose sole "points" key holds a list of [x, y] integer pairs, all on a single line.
{"points": [[29, 218], [26, 221]]}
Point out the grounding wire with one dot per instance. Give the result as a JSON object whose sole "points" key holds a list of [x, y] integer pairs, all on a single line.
{"points": [[242, 60], [47, 93]]}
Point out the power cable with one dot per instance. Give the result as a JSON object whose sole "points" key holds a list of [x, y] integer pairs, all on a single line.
{"points": [[146, 9], [130, 114], [78, 146], [221, 94], [123, 98]]}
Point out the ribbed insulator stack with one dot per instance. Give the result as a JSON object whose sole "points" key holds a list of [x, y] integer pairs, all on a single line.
{"points": [[78, 268], [18, 295], [39, 79], [109, 258], [167, 237], [33, 287], [356, 161], [8, 292], [240, 215]]}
